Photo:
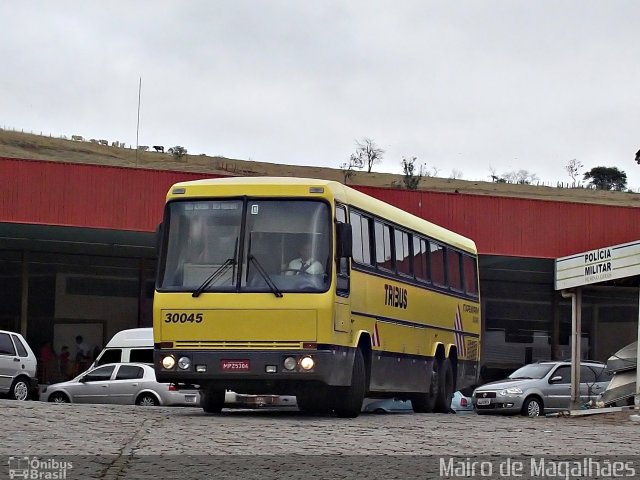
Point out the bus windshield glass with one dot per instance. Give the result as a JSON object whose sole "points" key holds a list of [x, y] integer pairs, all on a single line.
{"points": [[246, 245]]}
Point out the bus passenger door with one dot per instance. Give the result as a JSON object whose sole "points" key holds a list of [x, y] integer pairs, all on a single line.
{"points": [[342, 311]]}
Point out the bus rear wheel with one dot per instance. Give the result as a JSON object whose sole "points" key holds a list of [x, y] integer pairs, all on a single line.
{"points": [[348, 400], [445, 390], [426, 402], [212, 399]]}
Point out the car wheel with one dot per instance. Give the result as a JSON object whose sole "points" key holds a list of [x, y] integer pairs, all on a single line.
{"points": [[58, 398], [147, 400], [19, 389], [532, 407]]}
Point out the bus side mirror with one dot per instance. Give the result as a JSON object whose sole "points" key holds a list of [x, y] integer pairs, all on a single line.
{"points": [[159, 231], [344, 240]]}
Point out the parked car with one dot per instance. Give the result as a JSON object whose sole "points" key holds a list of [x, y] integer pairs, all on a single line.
{"points": [[18, 367], [459, 403], [539, 388], [119, 383], [387, 405]]}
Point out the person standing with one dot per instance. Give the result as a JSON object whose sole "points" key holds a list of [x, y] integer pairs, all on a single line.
{"points": [[83, 354]]}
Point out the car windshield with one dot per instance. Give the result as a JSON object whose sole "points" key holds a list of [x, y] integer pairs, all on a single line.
{"points": [[534, 370]]}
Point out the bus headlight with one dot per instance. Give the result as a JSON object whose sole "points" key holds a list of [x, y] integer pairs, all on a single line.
{"points": [[168, 362], [290, 363], [184, 363], [307, 363]]}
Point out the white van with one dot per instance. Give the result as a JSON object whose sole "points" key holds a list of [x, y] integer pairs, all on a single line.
{"points": [[132, 345]]}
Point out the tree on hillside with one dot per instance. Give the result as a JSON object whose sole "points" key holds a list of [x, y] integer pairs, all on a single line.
{"points": [[456, 174], [523, 177], [178, 152], [607, 178], [368, 153], [349, 168], [573, 169], [411, 178]]}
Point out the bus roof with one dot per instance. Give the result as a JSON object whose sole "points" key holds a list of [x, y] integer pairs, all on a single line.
{"points": [[299, 187]]}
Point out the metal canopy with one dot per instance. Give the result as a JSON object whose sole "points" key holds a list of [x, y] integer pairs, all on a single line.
{"points": [[612, 265]]}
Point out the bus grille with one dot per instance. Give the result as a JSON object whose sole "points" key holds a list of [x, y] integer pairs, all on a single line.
{"points": [[234, 345]]}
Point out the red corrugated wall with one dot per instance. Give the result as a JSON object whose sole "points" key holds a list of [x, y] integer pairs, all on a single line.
{"points": [[52, 193], [72, 194], [520, 227]]}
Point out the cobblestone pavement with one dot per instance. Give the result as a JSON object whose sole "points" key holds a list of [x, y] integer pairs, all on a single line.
{"points": [[108, 437]]}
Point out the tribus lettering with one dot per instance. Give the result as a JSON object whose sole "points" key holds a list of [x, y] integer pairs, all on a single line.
{"points": [[395, 296]]}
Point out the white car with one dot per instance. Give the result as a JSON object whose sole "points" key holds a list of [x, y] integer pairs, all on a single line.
{"points": [[18, 367], [119, 383]]}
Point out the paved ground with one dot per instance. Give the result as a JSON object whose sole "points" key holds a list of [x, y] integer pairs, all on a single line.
{"points": [[110, 441]]}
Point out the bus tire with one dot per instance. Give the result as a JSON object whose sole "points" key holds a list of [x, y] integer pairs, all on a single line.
{"points": [[348, 400], [426, 402], [212, 399], [445, 388], [314, 402]]}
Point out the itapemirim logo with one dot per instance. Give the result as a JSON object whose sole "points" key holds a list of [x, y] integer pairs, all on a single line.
{"points": [[34, 468]]}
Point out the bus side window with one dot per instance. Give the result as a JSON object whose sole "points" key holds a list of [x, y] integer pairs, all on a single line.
{"points": [[421, 258], [453, 269], [437, 264], [384, 257], [403, 260], [361, 238], [470, 275]]}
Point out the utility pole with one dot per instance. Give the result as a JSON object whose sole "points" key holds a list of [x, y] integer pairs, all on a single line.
{"points": [[138, 125]]}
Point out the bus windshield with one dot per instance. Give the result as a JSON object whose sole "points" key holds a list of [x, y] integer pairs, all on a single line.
{"points": [[246, 245]]}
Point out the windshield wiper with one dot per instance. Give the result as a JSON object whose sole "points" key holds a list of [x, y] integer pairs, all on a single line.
{"points": [[214, 276], [263, 273]]}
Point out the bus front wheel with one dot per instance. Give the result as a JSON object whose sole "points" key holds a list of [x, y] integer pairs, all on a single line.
{"points": [[212, 399], [348, 400], [314, 402]]}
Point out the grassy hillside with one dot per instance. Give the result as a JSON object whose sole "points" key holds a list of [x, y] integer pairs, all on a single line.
{"points": [[36, 147]]}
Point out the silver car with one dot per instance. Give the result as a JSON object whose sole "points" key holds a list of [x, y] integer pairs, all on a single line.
{"points": [[18, 366], [539, 388], [119, 383]]}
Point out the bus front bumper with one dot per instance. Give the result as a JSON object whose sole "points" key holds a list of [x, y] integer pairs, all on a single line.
{"points": [[332, 366]]}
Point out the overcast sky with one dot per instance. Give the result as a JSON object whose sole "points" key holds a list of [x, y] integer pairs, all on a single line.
{"points": [[470, 85]]}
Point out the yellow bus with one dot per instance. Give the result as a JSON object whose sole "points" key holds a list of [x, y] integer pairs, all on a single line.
{"points": [[310, 288]]}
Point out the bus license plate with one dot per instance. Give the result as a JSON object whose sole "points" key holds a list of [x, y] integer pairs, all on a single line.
{"points": [[483, 401], [234, 365]]}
